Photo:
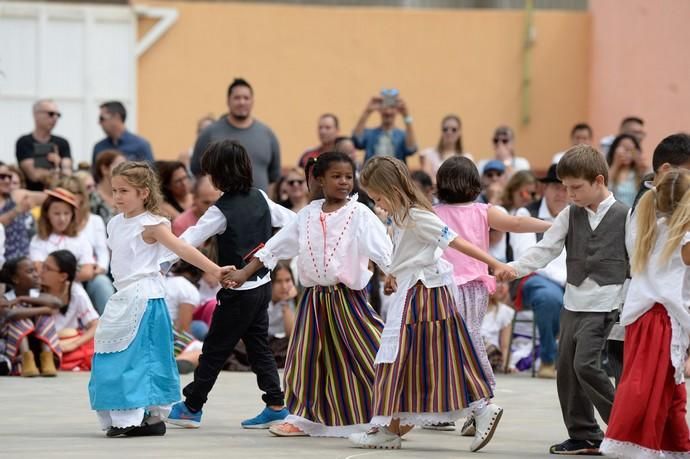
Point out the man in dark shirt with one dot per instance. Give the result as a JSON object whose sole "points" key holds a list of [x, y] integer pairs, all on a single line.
{"points": [[40, 154], [112, 119], [239, 125]]}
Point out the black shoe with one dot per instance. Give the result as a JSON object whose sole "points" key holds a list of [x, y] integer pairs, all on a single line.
{"points": [[147, 430], [577, 448], [117, 431]]}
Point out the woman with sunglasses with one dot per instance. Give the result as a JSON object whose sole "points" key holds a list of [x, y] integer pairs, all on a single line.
{"points": [[15, 216], [450, 144], [297, 191], [504, 151]]}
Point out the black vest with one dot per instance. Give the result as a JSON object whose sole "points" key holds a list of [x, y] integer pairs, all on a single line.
{"points": [[248, 226], [599, 254]]}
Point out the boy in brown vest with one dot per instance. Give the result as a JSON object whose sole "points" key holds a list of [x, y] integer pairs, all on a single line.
{"points": [[592, 230]]}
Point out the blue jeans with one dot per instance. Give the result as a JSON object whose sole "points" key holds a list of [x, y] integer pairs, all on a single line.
{"points": [[198, 329], [545, 297], [99, 289]]}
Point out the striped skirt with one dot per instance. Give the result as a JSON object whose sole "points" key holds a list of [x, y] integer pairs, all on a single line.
{"points": [[437, 375], [329, 369], [41, 327]]}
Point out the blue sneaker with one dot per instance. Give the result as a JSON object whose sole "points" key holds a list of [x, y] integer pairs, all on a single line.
{"points": [[266, 419], [181, 416]]}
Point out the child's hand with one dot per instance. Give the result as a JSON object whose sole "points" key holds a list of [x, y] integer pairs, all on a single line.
{"points": [[505, 273], [390, 285], [234, 278]]}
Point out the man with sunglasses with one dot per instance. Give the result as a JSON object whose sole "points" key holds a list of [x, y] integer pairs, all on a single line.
{"points": [[504, 151], [112, 120], [40, 154]]}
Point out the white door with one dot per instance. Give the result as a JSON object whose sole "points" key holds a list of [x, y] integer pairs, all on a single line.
{"points": [[80, 56]]}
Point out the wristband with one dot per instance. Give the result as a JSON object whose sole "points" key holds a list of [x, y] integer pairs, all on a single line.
{"points": [[408, 119]]}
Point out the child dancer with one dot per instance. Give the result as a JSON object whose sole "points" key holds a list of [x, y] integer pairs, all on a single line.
{"points": [[134, 377], [458, 186], [243, 219], [427, 369], [329, 370], [592, 230], [648, 415]]}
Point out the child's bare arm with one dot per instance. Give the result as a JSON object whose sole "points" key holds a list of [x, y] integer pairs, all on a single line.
{"points": [[501, 270], [43, 299], [162, 234], [513, 224]]}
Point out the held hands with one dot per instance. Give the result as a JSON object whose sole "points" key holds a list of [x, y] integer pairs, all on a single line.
{"points": [[505, 273], [233, 277], [390, 285]]}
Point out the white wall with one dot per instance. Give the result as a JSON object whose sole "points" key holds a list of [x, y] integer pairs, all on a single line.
{"points": [[78, 55]]}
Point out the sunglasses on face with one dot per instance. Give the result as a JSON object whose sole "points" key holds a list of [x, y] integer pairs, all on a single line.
{"points": [[5, 176], [493, 174], [53, 114], [503, 140], [450, 129], [103, 118], [295, 182]]}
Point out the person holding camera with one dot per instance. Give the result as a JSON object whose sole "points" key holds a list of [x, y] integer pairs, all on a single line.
{"points": [[386, 139], [41, 155]]}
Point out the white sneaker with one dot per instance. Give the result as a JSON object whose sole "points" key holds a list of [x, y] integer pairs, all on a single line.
{"points": [[468, 428], [486, 421], [376, 438]]}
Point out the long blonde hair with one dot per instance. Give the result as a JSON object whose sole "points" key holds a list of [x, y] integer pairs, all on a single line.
{"points": [[390, 178], [669, 198], [140, 175]]}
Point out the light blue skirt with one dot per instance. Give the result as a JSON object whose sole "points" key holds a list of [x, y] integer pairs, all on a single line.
{"points": [[144, 374]]}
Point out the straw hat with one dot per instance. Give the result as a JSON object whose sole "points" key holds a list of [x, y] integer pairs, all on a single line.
{"points": [[63, 195]]}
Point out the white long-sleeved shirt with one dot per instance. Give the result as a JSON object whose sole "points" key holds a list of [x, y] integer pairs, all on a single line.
{"points": [[521, 242], [213, 222], [588, 296]]}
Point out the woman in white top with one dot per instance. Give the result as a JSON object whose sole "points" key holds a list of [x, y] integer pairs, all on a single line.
{"points": [[427, 369], [450, 144], [91, 227], [329, 371], [504, 151], [648, 415]]}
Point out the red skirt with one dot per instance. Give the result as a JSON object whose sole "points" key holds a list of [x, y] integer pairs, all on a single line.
{"points": [[648, 415]]}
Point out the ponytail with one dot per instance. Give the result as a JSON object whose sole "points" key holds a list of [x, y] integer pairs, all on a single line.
{"points": [[646, 231]]}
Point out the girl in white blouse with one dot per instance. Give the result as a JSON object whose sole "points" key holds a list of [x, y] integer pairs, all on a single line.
{"points": [[329, 370], [427, 370], [134, 378], [648, 415]]}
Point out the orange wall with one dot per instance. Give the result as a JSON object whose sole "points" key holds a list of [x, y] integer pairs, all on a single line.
{"points": [[640, 66], [304, 60]]}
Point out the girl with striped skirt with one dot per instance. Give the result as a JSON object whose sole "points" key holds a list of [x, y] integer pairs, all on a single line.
{"points": [[329, 370], [427, 370], [31, 317]]}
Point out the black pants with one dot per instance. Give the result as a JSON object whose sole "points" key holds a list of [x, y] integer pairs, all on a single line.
{"points": [[581, 381], [240, 314]]}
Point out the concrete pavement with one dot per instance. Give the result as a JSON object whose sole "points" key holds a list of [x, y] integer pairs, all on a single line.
{"points": [[50, 417]]}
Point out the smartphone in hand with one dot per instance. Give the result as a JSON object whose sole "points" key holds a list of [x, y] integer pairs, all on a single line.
{"points": [[41, 152]]}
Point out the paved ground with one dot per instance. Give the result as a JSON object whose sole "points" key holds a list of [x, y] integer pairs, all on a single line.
{"points": [[44, 417]]}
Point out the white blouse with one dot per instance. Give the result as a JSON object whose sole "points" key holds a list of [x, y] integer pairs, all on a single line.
{"points": [[417, 248], [668, 285], [333, 247], [94, 232], [132, 257], [39, 249]]}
